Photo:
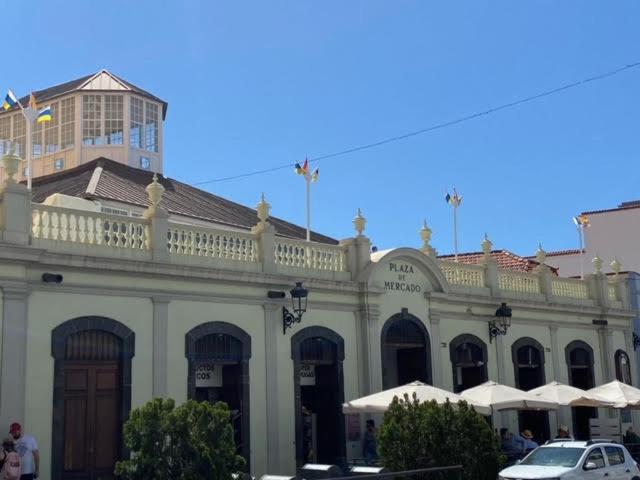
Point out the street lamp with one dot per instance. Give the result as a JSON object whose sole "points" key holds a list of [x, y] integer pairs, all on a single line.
{"points": [[501, 324], [299, 296]]}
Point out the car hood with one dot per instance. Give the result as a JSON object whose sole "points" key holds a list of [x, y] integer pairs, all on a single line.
{"points": [[533, 471]]}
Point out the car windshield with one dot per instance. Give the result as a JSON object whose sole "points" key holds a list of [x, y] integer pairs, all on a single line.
{"points": [[554, 457]]}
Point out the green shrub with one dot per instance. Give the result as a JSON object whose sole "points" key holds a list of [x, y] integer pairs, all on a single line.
{"points": [[191, 442], [417, 435]]}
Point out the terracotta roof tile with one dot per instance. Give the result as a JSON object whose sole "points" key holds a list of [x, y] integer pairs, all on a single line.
{"points": [[125, 184]]}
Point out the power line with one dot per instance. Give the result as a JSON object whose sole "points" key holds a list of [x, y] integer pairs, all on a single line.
{"points": [[438, 126]]}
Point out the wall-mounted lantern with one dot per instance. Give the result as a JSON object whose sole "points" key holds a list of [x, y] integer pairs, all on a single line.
{"points": [[299, 296], [501, 324]]}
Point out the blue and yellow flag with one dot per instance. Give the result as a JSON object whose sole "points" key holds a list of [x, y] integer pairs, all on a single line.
{"points": [[44, 115], [454, 199], [10, 101]]}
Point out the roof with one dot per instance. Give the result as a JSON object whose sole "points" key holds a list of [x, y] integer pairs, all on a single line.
{"points": [[560, 253], [623, 206], [504, 258], [75, 85], [105, 179]]}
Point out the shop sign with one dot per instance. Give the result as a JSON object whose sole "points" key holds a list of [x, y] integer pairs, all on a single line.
{"points": [[307, 375], [403, 278], [208, 375]]}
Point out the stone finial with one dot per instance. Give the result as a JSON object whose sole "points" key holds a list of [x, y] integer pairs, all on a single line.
{"points": [[486, 245], [597, 264], [616, 266], [425, 235], [155, 191], [11, 163], [541, 255], [359, 222], [263, 209]]}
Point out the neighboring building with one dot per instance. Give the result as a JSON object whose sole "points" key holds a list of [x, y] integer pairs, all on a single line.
{"points": [[99, 115], [109, 300], [503, 258]]}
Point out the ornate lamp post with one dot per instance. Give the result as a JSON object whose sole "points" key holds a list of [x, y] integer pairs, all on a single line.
{"points": [[299, 296], [501, 324]]}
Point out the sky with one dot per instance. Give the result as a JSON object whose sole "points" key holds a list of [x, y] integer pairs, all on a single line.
{"points": [[258, 84]]}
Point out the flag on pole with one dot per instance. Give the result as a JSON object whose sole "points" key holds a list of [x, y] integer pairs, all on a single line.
{"points": [[454, 199], [582, 221], [10, 100], [44, 115], [304, 169], [315, 174]]}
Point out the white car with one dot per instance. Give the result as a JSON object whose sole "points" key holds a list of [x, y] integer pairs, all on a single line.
{"points": [[569, 460]]}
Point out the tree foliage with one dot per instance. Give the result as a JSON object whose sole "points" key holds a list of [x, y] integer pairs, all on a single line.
{"points": [[193, 441], [421, 435]]}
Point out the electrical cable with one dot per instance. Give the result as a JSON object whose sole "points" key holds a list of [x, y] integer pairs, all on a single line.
{"points": [[438, 126]]}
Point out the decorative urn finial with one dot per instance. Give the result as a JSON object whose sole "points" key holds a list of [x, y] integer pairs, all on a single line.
{"points": [[616, 266], [155, 191], [263, 209], [11, 163], [359, 222], [541, 255], [486, 245], [597, 264]]}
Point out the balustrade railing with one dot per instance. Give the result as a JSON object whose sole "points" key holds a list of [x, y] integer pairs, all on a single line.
{"points": [[200, 242], [463, 274], [88, 228], [313, 256], [569, 287], [519, 282], [611, 290]]}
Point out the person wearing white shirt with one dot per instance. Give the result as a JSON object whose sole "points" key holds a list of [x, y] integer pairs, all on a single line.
{"points": [[27, 448]]}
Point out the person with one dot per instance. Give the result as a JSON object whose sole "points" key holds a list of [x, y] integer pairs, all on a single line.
{"points": [[506, 443], [563, 433], [631, 436], [27, 448], [525, 442], [369, 449], [10, 465]]}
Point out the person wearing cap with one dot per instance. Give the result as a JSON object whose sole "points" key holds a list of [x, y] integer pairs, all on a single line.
{"points": [[525, 442], [27, 448], [563, 432]]}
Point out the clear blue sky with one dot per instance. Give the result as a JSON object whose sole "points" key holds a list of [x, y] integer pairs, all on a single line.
{"points": [[257, 84]]}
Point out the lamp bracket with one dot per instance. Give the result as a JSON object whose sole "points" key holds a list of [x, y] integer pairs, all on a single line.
{"points": [[288, 319]]}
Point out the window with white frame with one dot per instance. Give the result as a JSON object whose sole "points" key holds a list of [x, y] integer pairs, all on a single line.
{"points": [[67, 123], [5, 133], [36, 139], [19, 134], [91, 119], [51, 130], [137, 119], [151, 127], [113, 119], [145, 162], [58, 163]]}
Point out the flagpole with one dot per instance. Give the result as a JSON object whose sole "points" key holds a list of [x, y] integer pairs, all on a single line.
{"points": [[455, 230], [307, 179], [29, 147], [581, 256]]}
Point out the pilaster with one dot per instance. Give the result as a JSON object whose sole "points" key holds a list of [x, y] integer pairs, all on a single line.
{"points": [[436, 357], [272, 325], [15, 213], [160, 345], [14, 355]]}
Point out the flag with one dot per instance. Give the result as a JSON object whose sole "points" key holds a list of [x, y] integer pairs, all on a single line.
{"points": [[582, 220], [454, 199], [304, 169], [10, 101], [314, 175], [44, 115], [447, 198]]}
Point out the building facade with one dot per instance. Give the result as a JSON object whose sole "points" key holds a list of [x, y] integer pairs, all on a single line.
{"points": [[102, 312]]}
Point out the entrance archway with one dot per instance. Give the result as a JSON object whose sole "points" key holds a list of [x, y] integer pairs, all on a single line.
{"points": [[317, 354], [469, 361], [91, 396], [579, 357], [406, 351], [528, 367], [218, 355]]}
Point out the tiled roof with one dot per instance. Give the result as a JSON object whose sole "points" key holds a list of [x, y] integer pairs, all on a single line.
{"points": [[560, 253], [125, 184], [73, 85], [505, 259]]}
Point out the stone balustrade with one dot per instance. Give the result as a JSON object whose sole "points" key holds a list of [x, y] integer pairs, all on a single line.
{"points": [[310, 255], [463, 274], [211, 243]]}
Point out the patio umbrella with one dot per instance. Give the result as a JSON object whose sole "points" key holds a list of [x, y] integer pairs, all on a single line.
{"points": [[379, 402], [501, 397], [569, 396], [619, 394]]}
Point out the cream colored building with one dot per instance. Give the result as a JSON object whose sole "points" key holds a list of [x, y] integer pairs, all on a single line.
{"points": [[117, 288]]}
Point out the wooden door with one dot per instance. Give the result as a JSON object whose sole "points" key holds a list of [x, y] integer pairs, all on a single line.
{"points": [[91, 420]]}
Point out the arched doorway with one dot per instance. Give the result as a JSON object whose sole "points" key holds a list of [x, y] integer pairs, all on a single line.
{"points": [[406, 351], [91, 396], [218, 355], [317, 354], [579, 357], [469, 361], [528, 367]]}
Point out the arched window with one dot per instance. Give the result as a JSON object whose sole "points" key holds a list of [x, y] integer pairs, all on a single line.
{"points": [[218, 355], [406, 351], [623, 367], [579, 357], [469, 362]]}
